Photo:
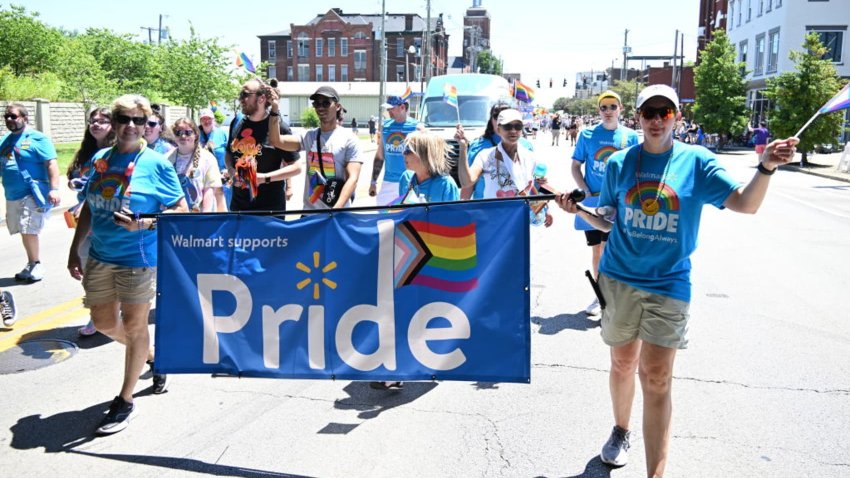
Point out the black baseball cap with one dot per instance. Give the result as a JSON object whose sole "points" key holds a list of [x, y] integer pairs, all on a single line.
{"points": [[327, 92]]}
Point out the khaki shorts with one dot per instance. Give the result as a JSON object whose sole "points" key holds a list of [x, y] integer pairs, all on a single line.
{"points": [[24, 216], [105, 283], [633, 313]]}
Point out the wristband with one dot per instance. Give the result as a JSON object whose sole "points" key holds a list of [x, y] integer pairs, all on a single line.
{"points": [[268, 179], [374, 183], [765, 171], [274, 113]]}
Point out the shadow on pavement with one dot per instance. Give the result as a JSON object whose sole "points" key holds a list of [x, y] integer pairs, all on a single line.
{"points": [[187, 464], [57, 433], [371, 403], [70, 334], [553, 325], [595, 469]]}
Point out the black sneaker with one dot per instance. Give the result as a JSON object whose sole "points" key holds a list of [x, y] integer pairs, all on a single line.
{"points": [[117, 418], [7, 308], [160, 383]]}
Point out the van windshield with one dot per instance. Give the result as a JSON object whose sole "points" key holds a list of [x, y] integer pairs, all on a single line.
{"points": [[474, 112]]}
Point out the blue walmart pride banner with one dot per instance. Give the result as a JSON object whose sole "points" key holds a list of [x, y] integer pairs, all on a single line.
{"points": [[424, 293]]}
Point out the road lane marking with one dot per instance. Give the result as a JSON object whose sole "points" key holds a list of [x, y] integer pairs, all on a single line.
{"points": [[45, 320], [811, 205]]}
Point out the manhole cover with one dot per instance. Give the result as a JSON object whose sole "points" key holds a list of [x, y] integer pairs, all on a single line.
{"points": [[35, 354]]}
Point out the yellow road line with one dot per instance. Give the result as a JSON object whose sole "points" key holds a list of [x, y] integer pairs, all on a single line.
{"points": [[45, 320]]}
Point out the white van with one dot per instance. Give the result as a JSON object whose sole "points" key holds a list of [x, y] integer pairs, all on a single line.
{"points": [[476, 93]]}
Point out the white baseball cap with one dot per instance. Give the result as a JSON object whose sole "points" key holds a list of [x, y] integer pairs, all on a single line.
{"points": [[663, 91], [509, 116]]}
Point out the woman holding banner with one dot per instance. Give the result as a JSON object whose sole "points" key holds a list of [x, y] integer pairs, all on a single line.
{"points": [[507, 168], [129, 179]]}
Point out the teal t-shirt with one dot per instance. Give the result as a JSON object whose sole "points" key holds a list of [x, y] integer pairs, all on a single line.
{"points": [[393, 135], [595, 145], [657, 223], [153, 187], [33, 150], [218, 144], [435, 188]]}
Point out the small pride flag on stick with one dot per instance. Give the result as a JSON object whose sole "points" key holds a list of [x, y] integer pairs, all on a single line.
{"points": [[450, 97], [838, 102]]}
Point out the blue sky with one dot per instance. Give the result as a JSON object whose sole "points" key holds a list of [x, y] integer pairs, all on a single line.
{"points": [[546, 39]]}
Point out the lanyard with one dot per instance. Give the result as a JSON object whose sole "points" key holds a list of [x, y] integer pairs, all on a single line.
{"points": [[650, 206]]}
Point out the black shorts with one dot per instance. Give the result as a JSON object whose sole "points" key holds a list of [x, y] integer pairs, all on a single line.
{"points": [[595, 237]]}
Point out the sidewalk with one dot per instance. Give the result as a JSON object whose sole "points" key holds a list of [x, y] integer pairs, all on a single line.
{"points": [[823, 165]]}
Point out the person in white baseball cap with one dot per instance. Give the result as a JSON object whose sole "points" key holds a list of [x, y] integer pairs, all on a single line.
{"points": [[656, 192]]}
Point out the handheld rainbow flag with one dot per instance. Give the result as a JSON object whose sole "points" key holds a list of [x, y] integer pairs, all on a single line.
{"points": [[450, 95], [408, 93], [243, 61], [523, 92], [838, 102]]}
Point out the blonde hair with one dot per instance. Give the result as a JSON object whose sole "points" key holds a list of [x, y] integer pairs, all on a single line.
{"points": [[432, 149], [129, 102]]}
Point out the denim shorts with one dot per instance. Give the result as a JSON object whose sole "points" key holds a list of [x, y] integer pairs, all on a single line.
{"points": [[105, 283], [632, 313]]}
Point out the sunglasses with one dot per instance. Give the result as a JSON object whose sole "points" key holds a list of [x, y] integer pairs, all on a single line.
{"points": [[246, 94], [407, 151], [512, 126], [184, 133], [124, 119], [664, 112], [10, 116], [604, 108], [322, 103], [152, 124], [101, 122]]}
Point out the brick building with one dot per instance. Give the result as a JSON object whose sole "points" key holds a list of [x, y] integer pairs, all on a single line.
{"points": [[476, 33], [338, 46], [712, 16]]}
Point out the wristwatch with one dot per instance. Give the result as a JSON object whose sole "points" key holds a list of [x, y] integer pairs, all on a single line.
{"points": [[274, 113], [268, 179]]}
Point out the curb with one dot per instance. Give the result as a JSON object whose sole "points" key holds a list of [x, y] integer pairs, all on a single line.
{"points": [[831, 174]]}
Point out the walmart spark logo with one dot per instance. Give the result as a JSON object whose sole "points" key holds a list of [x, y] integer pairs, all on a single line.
{"points": [[307, 270]]}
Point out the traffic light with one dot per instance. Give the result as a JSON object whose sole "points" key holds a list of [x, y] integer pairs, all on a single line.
{"points": [[565, 82], [538, 83], [550, 82]]}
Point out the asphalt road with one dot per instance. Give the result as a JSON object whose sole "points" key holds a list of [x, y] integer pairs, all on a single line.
{"points": [[762, 390]]}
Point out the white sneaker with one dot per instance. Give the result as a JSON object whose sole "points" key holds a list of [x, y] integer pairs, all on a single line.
{"points": [[36, 272], [593, 308]]}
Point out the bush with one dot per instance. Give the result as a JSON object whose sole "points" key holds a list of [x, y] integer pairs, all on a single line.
{"points": [[309, 118], [27, 87]]}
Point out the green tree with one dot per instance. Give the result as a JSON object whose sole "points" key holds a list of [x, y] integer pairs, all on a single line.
{"points": [[194, 71], [799, 94], [309, 118], [27, 45], [628, 91], [720, 105], [562, 104], [488, 63], [83, 79], [129, 64]]}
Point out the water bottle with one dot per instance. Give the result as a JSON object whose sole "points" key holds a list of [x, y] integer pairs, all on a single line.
{"points": [[539, 218], [540, 170]]}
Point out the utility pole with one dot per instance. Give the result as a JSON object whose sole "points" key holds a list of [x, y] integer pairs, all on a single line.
{"points": [[150, 31], [681, 62], [428, 40], [382, 94], [626, 51], [675, 61]]}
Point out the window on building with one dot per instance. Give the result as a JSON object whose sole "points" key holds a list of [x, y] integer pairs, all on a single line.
{"points": [[272, 46], [759, 63], [399, 47], [359, 60], [740, 12], [331, 72], [289, 75], [303, 72], [760, 11], [417, 42], [320, 73], [769, 6], [289, 48], [742, 54], [772, 50], [360, 36], [832, 38], [303, 47], [343, 47], [331, 47], [272, 72], [777, 3], [343, 73], [749, 10], [399, 73], [319, 45], [731, 14]]}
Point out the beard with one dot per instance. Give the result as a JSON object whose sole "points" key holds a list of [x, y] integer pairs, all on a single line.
{"points": [[248, 108]]}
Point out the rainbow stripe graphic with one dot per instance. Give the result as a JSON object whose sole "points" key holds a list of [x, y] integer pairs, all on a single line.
{"points": [[450, 95], [396, 139], [667, 197], [436, 256], [408, 93], [604, 152], [109, 186], [243, 61]]}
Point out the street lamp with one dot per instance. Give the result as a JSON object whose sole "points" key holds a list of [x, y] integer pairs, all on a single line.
{"points": [[410, 51]]}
